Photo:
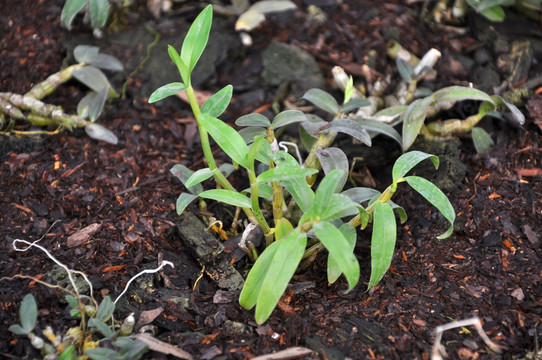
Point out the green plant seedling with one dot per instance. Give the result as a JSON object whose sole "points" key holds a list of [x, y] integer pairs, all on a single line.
{"points": [[306, 221], [416, 113], [30, 108]]}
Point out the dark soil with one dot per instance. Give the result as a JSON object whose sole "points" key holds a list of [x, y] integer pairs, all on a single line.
{"points": [[490, 267]]}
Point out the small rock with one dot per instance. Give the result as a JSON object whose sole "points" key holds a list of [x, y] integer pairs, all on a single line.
{"points": [[518, 294]]}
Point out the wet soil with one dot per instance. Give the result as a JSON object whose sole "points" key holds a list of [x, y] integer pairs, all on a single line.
{"points": [[489, 268]]}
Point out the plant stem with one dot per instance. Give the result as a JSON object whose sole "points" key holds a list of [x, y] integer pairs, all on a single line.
{"points": [[312, 162], [208, 153]]}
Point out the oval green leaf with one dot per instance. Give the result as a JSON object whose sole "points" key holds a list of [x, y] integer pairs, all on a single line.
{"points": [[196, 39], [459, 93], [183, 201], [354, 104], [413, 119], [70, 10], [218, 102], [228, 197], [481, 139], [349, 127], [198, 177], [288, 117], [436, 197], [99, 11], [94, 78], [165, 91], [99, 132], [408, 160], [281, 269], [28, 313], [333, 265], [340, 249], [253, 119], [227, 138], [284, 173], [379, 127], [334, 158], [382, 241], [322, 99]]}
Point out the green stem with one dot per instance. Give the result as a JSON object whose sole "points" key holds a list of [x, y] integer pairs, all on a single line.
{"points": [[256, 204], [208, 153], [383, 198]]}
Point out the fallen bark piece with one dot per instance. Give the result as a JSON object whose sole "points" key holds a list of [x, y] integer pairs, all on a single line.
{"points": [[290, 353], [209, 252], [83, 235], [162, 347]]}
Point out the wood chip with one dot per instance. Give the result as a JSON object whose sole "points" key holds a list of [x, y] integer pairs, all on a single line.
{"points": [[290, 353], [83, 235]]}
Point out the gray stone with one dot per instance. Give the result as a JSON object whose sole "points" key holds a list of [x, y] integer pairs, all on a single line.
{"points": [[283, 63]]}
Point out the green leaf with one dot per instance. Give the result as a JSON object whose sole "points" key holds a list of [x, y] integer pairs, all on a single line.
{"points": [[380, 128], [459, 93], [413, 119], [253, 119], [253, 284], [227, 138], [350, 127], [181, 66], [99, 11], [198, 177], [166, 90], [67, 354], [340, 250], [354, 104], [28, 313], [107, 62], [70, 10], [18, 330], [339, 206], [495, 14], [105, 310], [94, 78], [405, 70], [101, 354], [334, 158], [361, 194], [196, 39], [408, 160], [228, 197], [250, 133], [253, 151], [284, 173], [281, 269], [333, 265], [105, 330], [297, 187], [288, 117], [182, 173], [436, 197], [322, 99], [382, 241], [282, 228], [321, 201], [482, 140], [99, 132], [85, 53], [348, 91], [399, 210], [183, 201], [217, 104], [97, 103]]}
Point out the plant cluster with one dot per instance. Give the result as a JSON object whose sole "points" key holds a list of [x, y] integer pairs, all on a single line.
{"points": [[98, 336], [31, 109], [306, 221]]}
